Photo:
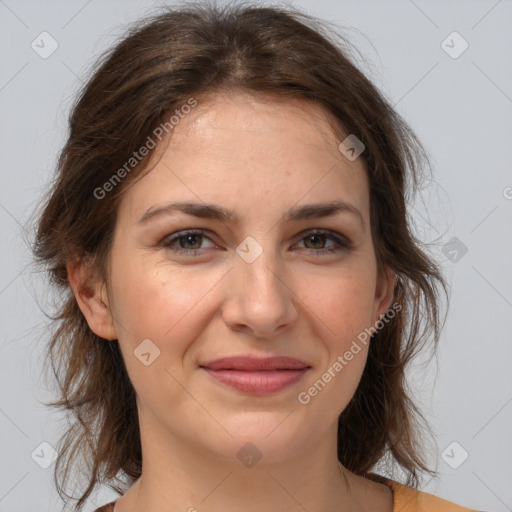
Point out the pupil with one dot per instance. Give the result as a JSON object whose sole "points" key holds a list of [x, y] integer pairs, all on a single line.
{"points": [[315, 236], [188, 238]]}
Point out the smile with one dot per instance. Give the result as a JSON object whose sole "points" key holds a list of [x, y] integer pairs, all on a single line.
{"points": [[257, 376]]}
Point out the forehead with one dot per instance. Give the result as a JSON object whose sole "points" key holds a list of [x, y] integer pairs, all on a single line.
{"points": [[233, 146], [247, 117]]}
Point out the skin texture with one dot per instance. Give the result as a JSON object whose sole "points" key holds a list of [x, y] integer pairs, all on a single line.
{"points": [[259, 157]]}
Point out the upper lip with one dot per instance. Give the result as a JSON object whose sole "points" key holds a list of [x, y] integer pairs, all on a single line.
{"points": [[253, 364]]}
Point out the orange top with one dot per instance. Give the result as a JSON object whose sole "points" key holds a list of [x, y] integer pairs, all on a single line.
{"points": [[405, 499]]}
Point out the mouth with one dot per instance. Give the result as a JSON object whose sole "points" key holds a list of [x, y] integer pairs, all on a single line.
{"points": [[256, 376]]}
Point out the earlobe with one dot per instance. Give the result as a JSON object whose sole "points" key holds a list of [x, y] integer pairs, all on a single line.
{"points": [[92, 299]]}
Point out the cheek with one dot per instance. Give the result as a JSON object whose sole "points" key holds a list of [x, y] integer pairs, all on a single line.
{"points": [[343, 310], [153, 303], [344, 305], [156, 302]]}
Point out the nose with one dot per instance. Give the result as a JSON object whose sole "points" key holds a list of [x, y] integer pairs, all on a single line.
{"points": [[259, 301]]}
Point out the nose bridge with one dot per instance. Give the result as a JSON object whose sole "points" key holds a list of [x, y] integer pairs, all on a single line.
{"points": [[260, 300], [257, 267]]}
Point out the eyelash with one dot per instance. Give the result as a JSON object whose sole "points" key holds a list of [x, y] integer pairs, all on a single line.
{"points": [[168, 242]]}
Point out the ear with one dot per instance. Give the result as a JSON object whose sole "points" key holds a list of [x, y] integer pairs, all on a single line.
{"points": [[91, 296], [384, 293]]}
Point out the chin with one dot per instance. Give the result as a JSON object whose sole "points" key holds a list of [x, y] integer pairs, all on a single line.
{"points": [[263, 438]]}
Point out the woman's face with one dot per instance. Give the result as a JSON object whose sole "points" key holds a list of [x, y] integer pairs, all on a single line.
{"points": [[260, 277]]}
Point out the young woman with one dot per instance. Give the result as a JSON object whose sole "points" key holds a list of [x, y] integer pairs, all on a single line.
{"points": [[242, 291]]}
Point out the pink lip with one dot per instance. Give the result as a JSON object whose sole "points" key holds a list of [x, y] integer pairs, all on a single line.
{"points": [[256, 376]]}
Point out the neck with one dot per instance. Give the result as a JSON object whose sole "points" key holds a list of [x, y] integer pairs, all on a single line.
{"points": [[182, 478]]}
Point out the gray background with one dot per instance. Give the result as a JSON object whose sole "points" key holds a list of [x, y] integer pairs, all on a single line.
{"points": [[460, 108]]}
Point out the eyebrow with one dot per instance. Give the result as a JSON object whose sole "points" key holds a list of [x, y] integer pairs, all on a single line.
{"points": [[211, 211]]}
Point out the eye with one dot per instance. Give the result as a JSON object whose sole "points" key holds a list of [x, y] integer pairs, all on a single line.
{"points": [[319, 237], [189, 242]]}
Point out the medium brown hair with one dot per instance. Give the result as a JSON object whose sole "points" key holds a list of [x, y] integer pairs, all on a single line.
{"points": [[195, 50]]}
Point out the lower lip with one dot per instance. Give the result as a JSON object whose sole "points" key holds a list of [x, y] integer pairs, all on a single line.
{"points": [[258, 383]]}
